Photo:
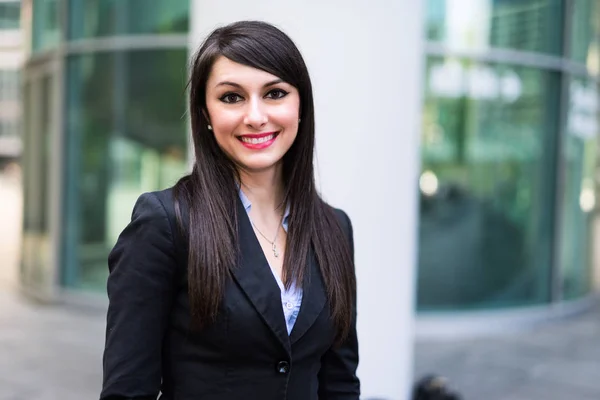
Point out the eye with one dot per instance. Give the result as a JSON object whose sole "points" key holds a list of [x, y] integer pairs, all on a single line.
{"points": [[277, 94], [231, 98]]}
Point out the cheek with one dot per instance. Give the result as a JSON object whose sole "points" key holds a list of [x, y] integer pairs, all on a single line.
{"points": [[287, 117], [224, 124]]}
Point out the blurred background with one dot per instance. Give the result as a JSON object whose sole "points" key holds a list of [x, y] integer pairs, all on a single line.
{"points": [[93, 113]]}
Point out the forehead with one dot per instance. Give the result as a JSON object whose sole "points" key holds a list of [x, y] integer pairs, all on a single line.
{"points": [[225, 70]]}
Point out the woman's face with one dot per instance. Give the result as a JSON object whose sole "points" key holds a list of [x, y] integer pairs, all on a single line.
{"points": [[254, 115]]}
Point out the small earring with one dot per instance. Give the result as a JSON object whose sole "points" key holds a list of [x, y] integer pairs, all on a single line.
{"points": [[209, 126], [299, 120]]}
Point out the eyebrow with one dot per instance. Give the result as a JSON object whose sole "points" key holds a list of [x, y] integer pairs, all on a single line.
{"points": [[229, 83]]}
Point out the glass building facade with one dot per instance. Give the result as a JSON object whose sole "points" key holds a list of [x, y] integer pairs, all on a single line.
{"points": [[10, 15], [10, 95], [509, 142], [104, 95]]}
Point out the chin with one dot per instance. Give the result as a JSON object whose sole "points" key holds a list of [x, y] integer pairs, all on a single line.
{"points": [[259, 165]]}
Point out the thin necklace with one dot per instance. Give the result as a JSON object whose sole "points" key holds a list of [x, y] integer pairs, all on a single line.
{"points": [[274, 242]]}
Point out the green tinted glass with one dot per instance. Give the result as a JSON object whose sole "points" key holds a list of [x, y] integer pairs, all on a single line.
{"points": [[10, 15], [527, 25], [126, 135], [99, 18], [579, 197], [46, 32], [487, 185], [585, 41]]}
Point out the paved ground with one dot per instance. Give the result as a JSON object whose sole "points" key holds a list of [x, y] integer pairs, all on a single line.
{"points": [[48, 353], [556, 362]]}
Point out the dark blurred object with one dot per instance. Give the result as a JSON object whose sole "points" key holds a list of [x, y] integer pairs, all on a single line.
{"points": [[472, 253], [433, 387]]}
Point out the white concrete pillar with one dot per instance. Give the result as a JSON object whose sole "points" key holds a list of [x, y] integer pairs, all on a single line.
{"points": [[366, 63]]}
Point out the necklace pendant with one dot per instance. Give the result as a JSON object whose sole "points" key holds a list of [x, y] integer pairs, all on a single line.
{"points": [[275, 252]]}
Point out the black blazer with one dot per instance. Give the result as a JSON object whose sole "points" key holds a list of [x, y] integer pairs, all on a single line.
{"points": [[246, 354]]}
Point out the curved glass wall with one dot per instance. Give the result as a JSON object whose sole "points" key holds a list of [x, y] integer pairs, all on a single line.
{"points": [[115, 111], [488, 141], [508, 153], [93, 18], [124, 138]]}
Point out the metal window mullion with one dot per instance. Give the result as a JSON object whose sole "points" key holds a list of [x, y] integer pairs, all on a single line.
{"points": [[516, 57], [128, 42], [556, 292]]}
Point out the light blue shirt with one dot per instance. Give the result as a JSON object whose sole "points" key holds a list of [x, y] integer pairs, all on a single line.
{"points": [[291, 299]]}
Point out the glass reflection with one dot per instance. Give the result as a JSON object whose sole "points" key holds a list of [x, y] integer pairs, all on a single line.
{"points": [[124, 138], [527, 25], [585, 46], [487, 185], [579, 200], [98, 18], [10, 14], [46, 29]]}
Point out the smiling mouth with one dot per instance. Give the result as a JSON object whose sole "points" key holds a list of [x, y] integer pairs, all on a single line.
{"points": [[258, 139]]}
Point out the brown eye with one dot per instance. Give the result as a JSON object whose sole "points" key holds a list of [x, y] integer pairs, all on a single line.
{"points": [[231, 98], [277, 94]]}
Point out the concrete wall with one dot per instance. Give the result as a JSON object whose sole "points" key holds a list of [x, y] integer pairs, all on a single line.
{"points": [[365, 60]]}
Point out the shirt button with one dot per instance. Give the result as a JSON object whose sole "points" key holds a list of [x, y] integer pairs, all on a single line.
{"points": [[283, 367], [289, 305]]}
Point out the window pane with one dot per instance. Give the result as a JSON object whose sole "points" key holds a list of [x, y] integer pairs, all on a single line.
{"points": [[126, 135], [528, 25], [487, 185], [585, 47], [10, 15], [36, 240], [46, 28], [97, 18], [579, 200], [10, 111]]}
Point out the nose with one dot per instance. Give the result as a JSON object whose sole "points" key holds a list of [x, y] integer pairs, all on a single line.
{"points": [[256, 115]]}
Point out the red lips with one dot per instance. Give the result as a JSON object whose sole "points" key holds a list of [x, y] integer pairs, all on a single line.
{"points": [[261, 145]]}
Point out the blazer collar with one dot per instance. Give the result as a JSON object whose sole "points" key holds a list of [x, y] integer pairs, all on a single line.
{"points": [[313, 299], [254, 276]]}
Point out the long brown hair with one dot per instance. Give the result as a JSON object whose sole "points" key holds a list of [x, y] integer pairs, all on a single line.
{"points": [[210, 192]]}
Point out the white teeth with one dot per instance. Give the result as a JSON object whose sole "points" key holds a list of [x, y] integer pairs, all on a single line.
{"points": [[257, 140]]}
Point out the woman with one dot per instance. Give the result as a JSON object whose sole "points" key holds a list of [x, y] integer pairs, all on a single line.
{"points": [[238, 283]]}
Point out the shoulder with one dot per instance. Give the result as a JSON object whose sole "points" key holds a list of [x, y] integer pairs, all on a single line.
{"points": [[346, 225], [342, 219], [156, 202], [152, 226], [164, 197], [156, 206]]}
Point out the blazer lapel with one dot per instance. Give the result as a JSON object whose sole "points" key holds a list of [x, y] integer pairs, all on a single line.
{"points": [[254, 276], [313, 299]]}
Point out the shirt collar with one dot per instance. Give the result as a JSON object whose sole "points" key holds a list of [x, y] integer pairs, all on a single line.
{"points": [[248, 205]]}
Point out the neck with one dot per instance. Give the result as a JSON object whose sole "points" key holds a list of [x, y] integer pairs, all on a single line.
{"points": [[264, 189]]}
